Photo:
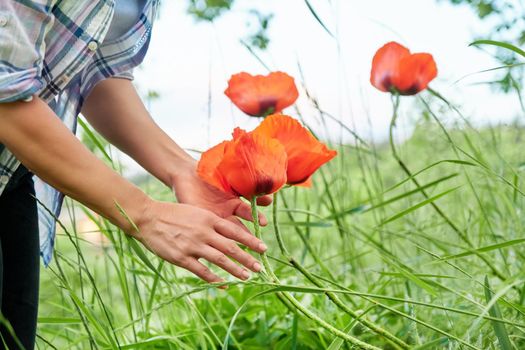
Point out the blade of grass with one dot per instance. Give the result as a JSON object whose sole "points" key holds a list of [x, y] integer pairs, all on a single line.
{"points": [[499, 328], [312, 11], [484, 249], [433, 344], [418, 205], [499, 44], [363, 208], [95, 139]]}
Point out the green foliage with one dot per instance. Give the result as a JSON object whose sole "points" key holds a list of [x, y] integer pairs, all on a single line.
{"points": [[499, 328], [505, 23], [413, 276], [93, 141], [208, 10], [260, 39]]}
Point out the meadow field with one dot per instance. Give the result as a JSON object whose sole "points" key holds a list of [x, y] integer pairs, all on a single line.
{"points": [[412, 241], [413, 244]]}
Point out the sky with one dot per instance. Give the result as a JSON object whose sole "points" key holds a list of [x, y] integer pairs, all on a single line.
{"points": [[189, 64]]}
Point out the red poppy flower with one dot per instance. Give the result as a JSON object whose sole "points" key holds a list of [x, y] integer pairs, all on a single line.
{"points": [[261, 95], [395, 69], [305, 153], [249, 165]]}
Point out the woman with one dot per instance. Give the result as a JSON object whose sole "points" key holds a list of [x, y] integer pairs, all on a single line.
{"points": [[62, 57]]}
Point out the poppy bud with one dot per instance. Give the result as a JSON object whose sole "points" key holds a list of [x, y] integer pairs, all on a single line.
{"points": [[396, 70], [262, 95]]}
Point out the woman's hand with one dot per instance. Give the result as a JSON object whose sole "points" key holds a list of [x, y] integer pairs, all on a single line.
{"points": [[181, 234], [127, 124], [190, 189]]}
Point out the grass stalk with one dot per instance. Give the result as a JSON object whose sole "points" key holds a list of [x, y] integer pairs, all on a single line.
{"points": [[398, 343], [292, 300], [439, 211]]}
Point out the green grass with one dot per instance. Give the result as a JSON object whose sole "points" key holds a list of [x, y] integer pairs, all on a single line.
{"points": [[366, 233]]}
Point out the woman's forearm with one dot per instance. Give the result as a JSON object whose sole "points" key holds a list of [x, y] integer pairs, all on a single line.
{"points": [[178, 233], [116, 111], [34, 134]]}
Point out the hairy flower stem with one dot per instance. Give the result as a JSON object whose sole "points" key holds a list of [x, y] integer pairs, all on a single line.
{"points": [[459, 232], [396, 342], [270, 275]]}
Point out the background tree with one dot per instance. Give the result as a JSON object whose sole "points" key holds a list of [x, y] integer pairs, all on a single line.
{"points": [[257, 22], [505, 22]]}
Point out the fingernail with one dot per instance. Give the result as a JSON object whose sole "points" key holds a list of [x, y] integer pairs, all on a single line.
{"points": [[245, 274], [262, 247], [257, 267]]}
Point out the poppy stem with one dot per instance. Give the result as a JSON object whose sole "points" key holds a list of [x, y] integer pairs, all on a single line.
{"points": [[276, 228], [267, 274], [396, 342], [290, 300], [257, 229]]}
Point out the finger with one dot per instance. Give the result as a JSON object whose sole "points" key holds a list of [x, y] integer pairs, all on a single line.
{"points": [[194, 266], [216, 257], [238, 222], [229, 248], [262, 219], [245, 211], [230, 230], [265, 200]]}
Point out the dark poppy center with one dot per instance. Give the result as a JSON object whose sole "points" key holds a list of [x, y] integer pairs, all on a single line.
{"points": [[264, 185], [267, 106], [386, 83], [412, 90]]}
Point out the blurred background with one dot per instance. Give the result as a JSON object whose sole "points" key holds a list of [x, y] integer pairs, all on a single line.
{"points": [[327, 45]]}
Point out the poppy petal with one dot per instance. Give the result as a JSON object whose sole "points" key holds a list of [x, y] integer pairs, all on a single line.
{"points": [[243, 92], [414, 73], [254, 165], [305, 153], [308, 183], [385, 64], [207, 167], [282, 87]]}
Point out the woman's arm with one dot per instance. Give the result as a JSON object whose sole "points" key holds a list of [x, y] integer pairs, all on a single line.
{"points": [[176, 232], [44, 145], [115, 109]]}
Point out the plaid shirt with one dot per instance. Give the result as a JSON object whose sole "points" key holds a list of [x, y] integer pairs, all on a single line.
{"points": [[56, 50]]}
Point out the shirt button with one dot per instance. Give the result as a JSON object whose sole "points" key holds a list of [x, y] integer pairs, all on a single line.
{"points": [[4, 179], [3, 20], [93, 46]]}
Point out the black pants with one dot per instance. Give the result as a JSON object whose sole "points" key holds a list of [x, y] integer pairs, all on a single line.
{"points": [[19, 260]]}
